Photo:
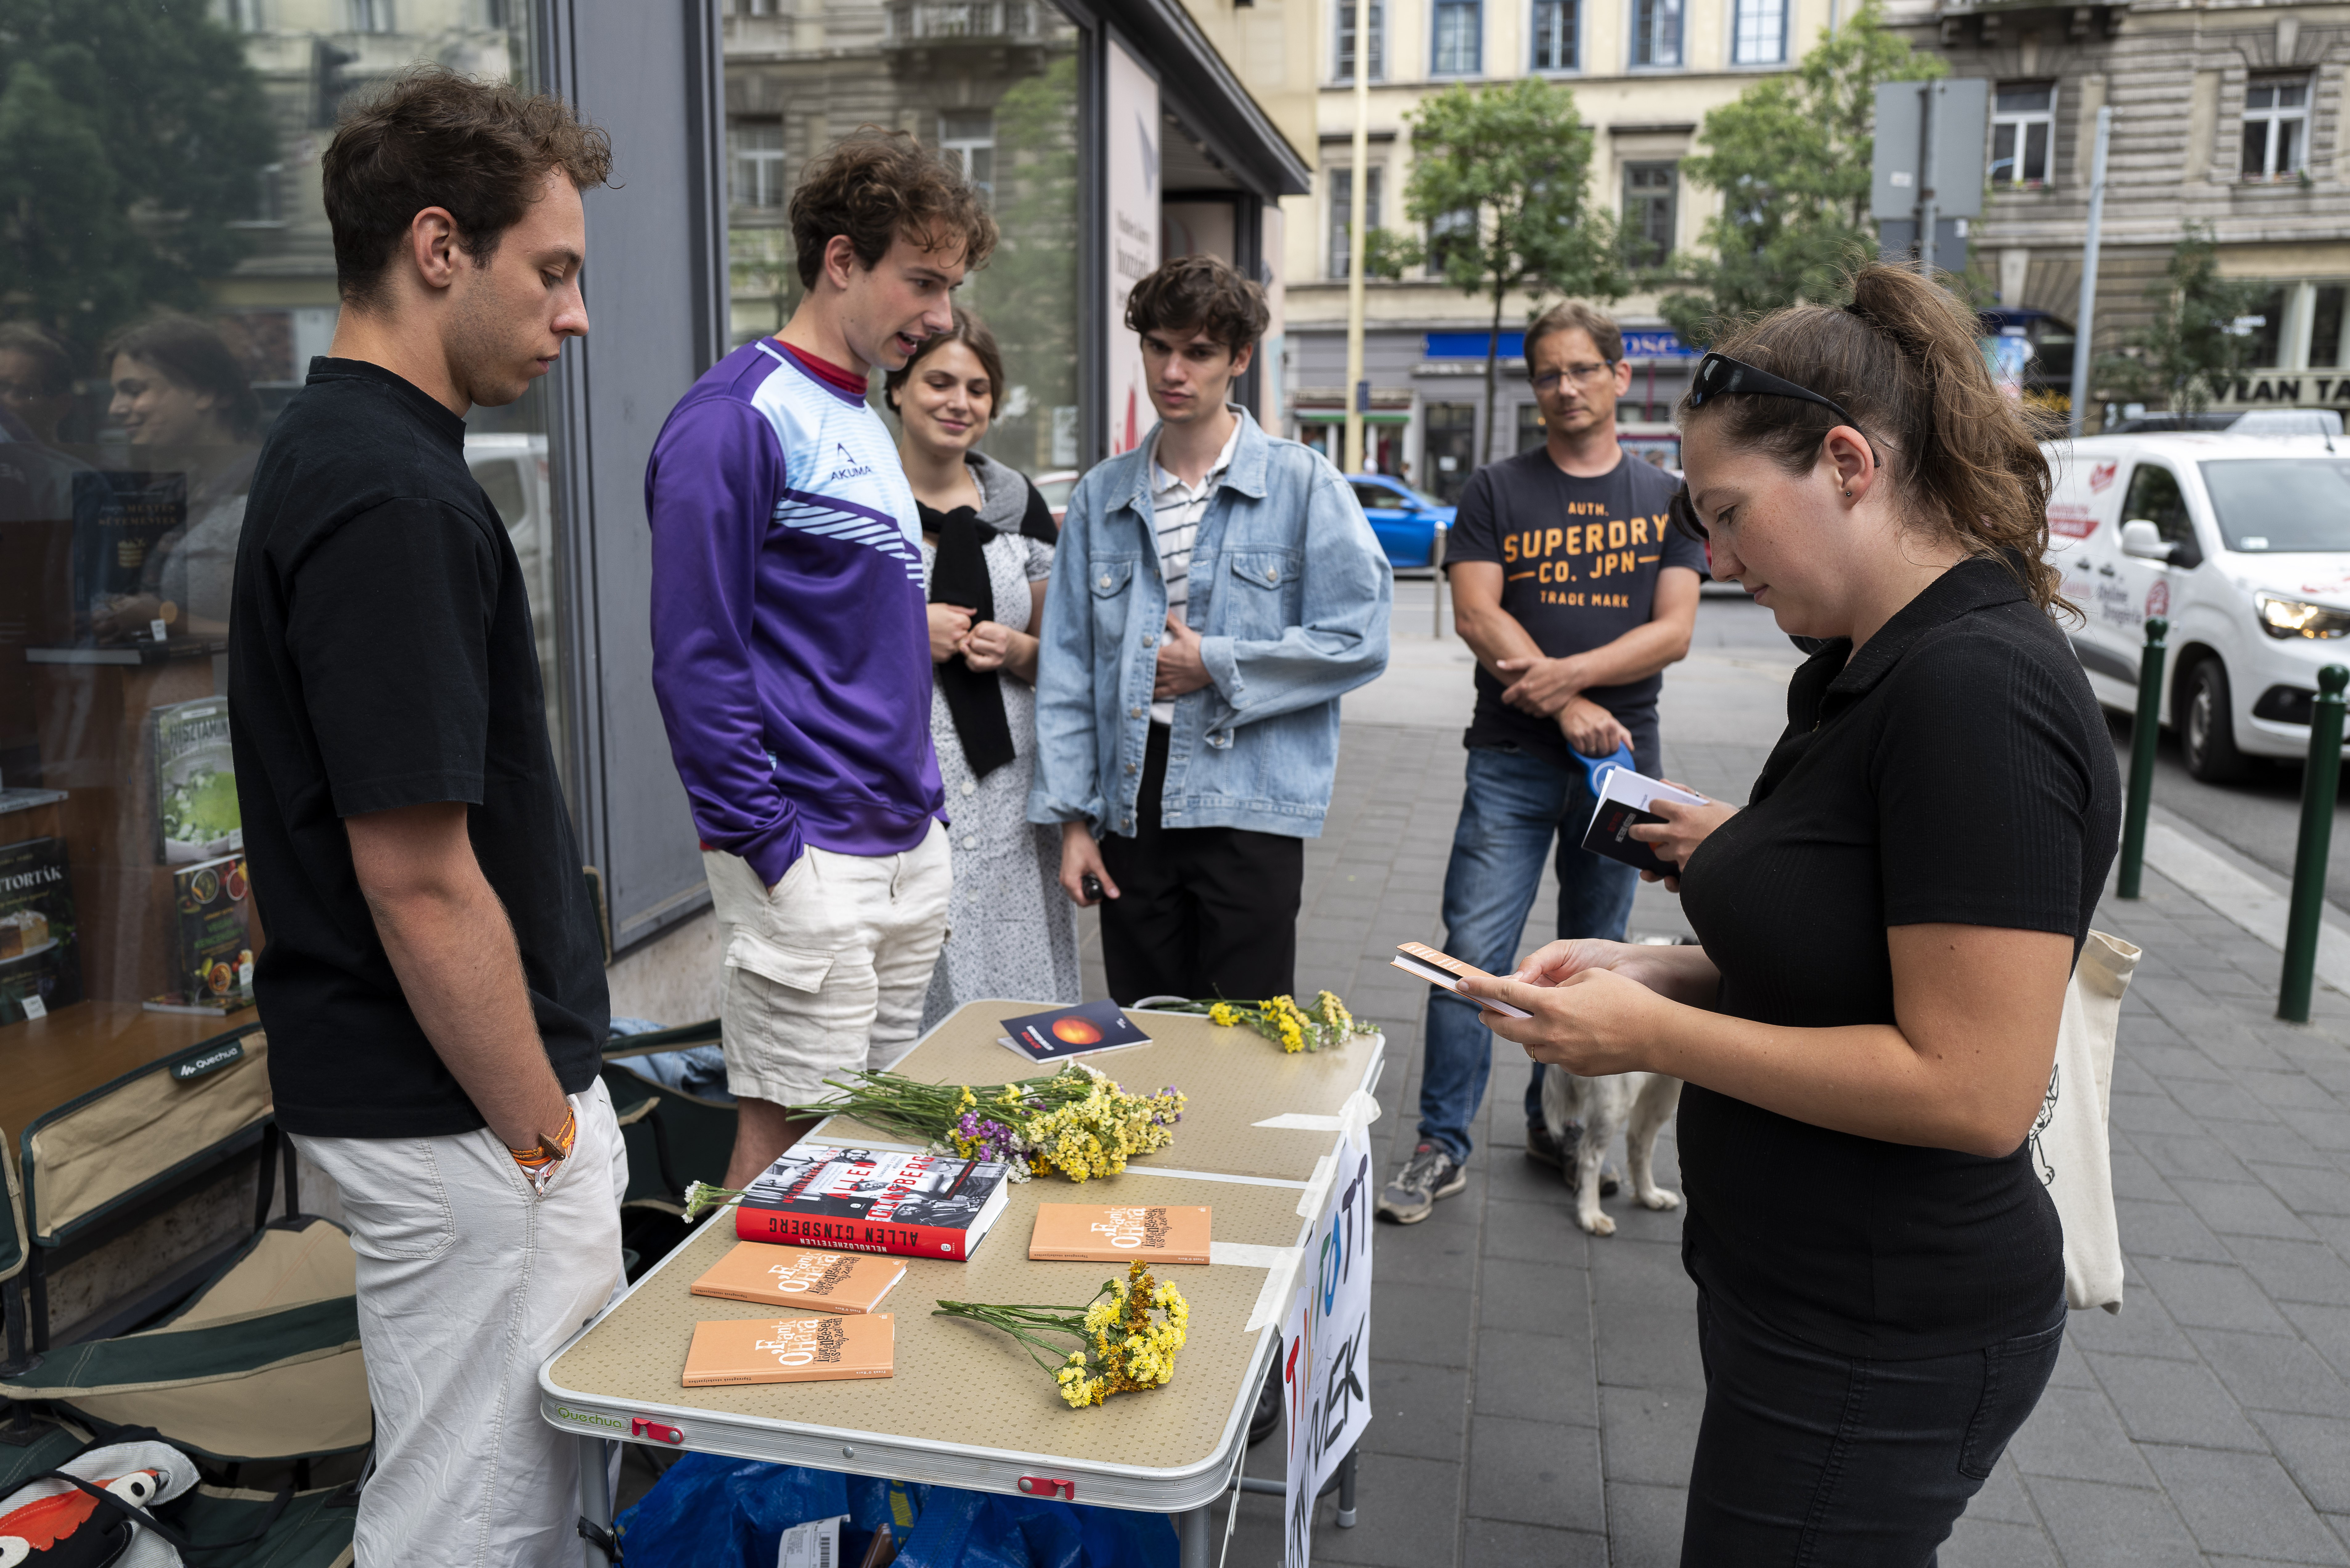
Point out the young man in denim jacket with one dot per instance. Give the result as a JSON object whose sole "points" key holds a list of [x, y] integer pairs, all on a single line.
{"points": [[1216, 590]]}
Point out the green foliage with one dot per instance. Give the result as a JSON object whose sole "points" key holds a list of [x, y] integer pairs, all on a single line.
{"points": [[1791, 157], [1500, 182], [2191, 348]]}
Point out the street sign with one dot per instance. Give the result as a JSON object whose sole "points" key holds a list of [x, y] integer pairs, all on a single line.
{"points": [[1960, 128], [1896, 241]]}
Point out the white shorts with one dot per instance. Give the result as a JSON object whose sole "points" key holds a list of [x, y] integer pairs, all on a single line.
{"points": [[824, 973]]}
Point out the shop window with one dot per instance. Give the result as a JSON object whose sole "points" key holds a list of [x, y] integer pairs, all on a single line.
{"points": [[968, 139], [1459, 39], [1557, 46], [1650, 194], [243, 16], [2276, 128], [1655, 32], [1530, 427], [1447, 233], [1448, 450], [1758, 34], [2267, 322], [1342, 200], [1377, 66], [2325, 323], [756, 156], [2023, 122]]}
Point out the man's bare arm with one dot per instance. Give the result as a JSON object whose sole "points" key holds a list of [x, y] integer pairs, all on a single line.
{"points": [[1544, 685], [453, 950]]}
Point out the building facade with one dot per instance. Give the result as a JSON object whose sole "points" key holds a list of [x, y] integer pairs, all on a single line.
{"points": [[2224, 115], [1645, 73]]}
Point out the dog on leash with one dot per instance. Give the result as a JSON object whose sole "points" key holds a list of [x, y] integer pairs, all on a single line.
{"points": [[1636, 1104]]}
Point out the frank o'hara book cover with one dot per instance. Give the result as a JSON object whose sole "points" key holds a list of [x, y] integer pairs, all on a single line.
{"points": [[791, 1350]]}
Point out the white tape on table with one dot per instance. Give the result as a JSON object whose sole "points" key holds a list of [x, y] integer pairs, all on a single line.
{"points": [[1317, 1188], [1280, 1266], [1358, 1103], [1248, 1255]]}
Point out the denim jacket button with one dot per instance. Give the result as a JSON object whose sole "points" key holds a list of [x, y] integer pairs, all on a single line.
{"points": [[1104, 580], [1134, 713], [1148, 641], [1272, 573], [1130, 767]]}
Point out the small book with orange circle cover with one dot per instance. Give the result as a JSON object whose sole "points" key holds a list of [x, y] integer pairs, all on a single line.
{"points": [[791, 1350], [1117, 1234], [1093, 1027], [801, 1277]]}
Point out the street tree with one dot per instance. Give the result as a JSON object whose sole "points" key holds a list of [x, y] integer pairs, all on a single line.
{"points": [[1500, 189], [2199, 337], [1791, 157], [119, 181]]}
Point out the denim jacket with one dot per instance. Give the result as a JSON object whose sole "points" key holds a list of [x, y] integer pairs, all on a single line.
{"points": [[1289, 594]]}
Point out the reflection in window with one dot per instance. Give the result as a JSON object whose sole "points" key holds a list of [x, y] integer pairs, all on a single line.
{"points": [[1458, 38], [2276, 127], [757, 158], [370, 15], [968, 139], [2325, 323], [1531, 434], [1655, 32], [1342, 203], [1758, 34], [2268, 330], [1449, 231], [1650, 189], [1377, 66], [2023, 118], [1555, 47]]}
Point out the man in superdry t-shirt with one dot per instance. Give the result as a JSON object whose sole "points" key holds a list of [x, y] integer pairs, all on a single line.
{"points": [[790, 642], [1575, 595]]}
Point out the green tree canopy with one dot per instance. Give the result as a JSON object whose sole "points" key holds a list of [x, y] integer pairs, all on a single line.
{"points": [[1500, 185], [1791, 157], [132, 133], [2187, 353]]}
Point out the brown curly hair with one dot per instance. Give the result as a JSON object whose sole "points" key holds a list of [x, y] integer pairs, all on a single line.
{"points": [[874, 185], [1902, 359]]}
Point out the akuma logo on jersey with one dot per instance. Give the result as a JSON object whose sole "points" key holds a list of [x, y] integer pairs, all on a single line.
{"points": [[850, 468]]}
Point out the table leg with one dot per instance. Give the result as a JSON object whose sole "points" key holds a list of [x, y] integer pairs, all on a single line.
{"points": [[1192, 1527], [594, 1497], [1347, 1490]]}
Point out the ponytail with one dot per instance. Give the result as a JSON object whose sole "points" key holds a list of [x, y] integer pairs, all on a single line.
{"points": [[1902, 359]]}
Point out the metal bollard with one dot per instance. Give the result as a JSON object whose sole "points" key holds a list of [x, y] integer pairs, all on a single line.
{"points": [[2321, 780], [2144, 731]]}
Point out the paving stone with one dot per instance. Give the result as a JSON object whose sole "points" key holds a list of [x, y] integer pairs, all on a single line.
{"points": [[1429, 1324], [1535, 1472], [1647, 1435], [1417, 1412], [2308, 1190], [1439, 1250], [1542, 1232], [2075, 1434], [2296, 1270], [2099, 1526], [1644, 1524], [2198, 1156], [2003, 1500], [1407, 1516], [2173, 1402], [2327, 1327], [2244, 1504], [2317, 1450], [2141, 1328], [1536, 1377], [2168, 1231], [2243, 1209], [1983, 1544], [2211, 1295], [1534, 1298], [1500, 1541], [2265, 1372]]}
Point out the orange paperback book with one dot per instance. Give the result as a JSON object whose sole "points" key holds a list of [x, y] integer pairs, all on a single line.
{"points": [[1103, 1233], [800, 1277], [791, 1350]]}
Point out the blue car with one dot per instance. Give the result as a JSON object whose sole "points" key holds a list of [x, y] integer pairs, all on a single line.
{"points": [[1405, 520]]}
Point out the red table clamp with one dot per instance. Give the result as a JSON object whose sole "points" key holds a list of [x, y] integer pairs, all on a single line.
{"points": [[1044, 1486], [640, 1428]]}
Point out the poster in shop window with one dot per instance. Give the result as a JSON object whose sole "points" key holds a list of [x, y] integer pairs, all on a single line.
{"points": [[1326, 1345], [1131, 137]]}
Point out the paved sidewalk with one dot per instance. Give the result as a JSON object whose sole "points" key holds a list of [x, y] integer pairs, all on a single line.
{"points": [[1537, 1390]]}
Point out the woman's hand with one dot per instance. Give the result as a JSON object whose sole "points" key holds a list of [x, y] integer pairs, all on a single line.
{"points": [[1594, 1021], [1684, 828], [949, 624], [992, 645], [1683, 974]]}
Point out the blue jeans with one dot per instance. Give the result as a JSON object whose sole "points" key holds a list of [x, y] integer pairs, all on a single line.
{"points": [[1513, 807]]}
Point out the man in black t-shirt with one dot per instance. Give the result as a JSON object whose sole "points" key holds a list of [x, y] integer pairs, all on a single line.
{"points": [[433, 984], [1574, 594]]}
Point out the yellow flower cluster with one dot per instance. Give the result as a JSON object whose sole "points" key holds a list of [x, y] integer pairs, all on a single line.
{"points": [[1097, 1135], [1292, 1028], [1127, 1350]]}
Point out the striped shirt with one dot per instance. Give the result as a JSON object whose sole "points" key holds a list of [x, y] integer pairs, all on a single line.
{"points": [[1177, 508]]}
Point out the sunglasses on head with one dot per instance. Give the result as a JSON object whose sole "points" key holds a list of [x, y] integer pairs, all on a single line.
{"points": [[1719, 376]]}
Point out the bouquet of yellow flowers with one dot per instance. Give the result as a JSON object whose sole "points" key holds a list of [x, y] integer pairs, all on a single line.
{"points": [[1279, 1019], [1076, 1121], [1121, 1348]]}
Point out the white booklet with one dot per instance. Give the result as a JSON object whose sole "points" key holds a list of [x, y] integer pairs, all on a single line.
{"points": [[1626, 800]]}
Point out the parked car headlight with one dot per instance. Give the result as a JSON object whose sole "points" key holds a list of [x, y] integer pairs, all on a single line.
{"points": [[2294, 618]]}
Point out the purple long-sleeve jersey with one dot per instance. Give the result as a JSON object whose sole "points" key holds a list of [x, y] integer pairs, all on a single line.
{"points": [[791, 646]]}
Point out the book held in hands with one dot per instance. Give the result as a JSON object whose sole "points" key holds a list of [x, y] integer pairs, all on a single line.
{"points": [[1627, 801], [791, 1350], [794, 1276], [874, 1201], [1442, 968], [1112, 1233], [1046, 1037]]}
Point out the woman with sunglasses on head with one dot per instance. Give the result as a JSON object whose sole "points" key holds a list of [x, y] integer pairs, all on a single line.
{"points": [[1888, 926]]}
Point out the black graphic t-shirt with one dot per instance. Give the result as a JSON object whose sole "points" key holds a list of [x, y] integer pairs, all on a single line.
{"points": [[1579, 561]]}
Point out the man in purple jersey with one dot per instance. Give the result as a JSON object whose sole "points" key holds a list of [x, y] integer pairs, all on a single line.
{"points": [[791, 643]]}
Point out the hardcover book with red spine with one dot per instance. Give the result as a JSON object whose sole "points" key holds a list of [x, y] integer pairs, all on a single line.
{"points": [[874, 1201]]}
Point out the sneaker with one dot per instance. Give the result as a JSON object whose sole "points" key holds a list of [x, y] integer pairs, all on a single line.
{"points": [[1429, 1174], [1544, 1149]]}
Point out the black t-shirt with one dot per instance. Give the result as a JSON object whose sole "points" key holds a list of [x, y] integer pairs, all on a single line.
{"points": [[1957, 769], [1579, 561], [381, 656]]}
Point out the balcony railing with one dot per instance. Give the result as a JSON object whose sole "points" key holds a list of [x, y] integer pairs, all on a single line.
{"points": [[964, 21]]}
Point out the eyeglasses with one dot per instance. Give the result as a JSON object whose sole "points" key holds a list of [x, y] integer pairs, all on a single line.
{"points": [[1585, 374], [1719, 375]]}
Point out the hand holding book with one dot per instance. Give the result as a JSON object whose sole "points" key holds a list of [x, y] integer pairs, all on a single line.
{"points": [[1684, 827]]}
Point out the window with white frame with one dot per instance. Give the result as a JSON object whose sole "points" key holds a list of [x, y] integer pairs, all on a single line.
{"points": [[1377, 66], [2022, 130], [1557, 47], [1448, 233], [967, 137], [1342, 203], [1459, 39], [1650, 194], [755, 159], [2276, 127], [1758, 34], [243, 16], [370, 15], [1655, 32]]}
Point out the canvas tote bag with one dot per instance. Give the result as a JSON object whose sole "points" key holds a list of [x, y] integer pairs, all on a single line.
{"points": [[2070, 1149]]}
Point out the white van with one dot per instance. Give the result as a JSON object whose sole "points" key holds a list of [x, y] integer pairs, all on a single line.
{"points": [[2243, 543]]}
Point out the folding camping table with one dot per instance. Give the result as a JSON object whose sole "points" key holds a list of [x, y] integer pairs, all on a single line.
{"points": [[966, 1407]]}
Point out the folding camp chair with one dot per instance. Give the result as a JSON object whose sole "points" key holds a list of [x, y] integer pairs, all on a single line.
{"points": [[674, 1139], [101, 1164]]}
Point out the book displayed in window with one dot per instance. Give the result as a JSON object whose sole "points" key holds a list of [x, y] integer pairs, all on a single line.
{"points": [[196, 816], [212, 939], [121, 519], [1047, 1037], [1108, 1234], [870, 1200], [40, 960], [799, 1277], [791, 1350]]}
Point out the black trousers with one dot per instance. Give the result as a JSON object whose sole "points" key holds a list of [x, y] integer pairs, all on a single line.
{"points": [[1808, 1460], [1201, 911]]}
